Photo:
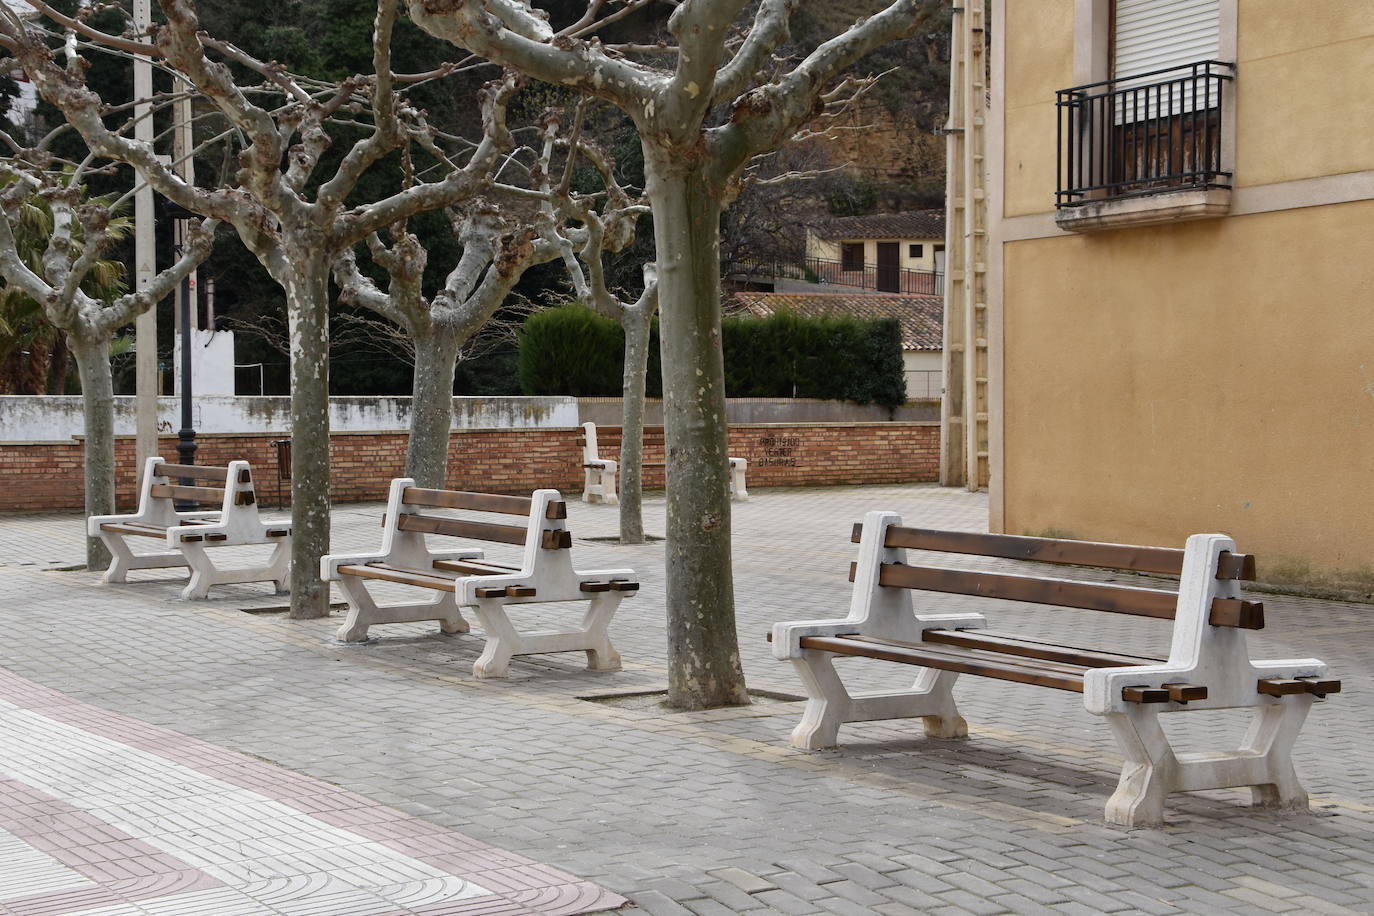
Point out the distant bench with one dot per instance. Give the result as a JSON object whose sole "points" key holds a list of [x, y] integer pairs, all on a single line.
{"points": [[599, 480], [1208, 665], [235, 523], [463, 578]]}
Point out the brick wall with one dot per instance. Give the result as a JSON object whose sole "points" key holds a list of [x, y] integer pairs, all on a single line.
{"points": [[47, 475]]}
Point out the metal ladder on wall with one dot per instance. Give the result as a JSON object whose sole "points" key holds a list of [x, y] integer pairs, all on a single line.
{"points": [[964, 409]]}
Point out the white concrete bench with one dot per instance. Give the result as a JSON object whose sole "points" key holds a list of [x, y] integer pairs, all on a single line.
{"points": [[1208, 666], [599, 480], [235, 523], [463, 578]]}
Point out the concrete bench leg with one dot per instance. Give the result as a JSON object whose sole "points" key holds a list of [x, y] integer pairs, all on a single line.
{"points": [[363, 611], [505, 642], [601, 655], [829, 704], [122, 559], [739, 467], [204, 572], [502, 641], [1153, 771]]}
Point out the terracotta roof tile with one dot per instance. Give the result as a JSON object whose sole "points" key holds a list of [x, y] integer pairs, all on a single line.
{"points": [[921, 317], [915, 224]]}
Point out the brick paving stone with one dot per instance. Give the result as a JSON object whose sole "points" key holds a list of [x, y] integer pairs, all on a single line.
{"points": [[655, 805]]}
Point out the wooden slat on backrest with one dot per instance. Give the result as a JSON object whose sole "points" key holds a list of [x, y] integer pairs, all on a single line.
{"points": [[461, 499], [192, 472], [192, 494], [1143, 602], [1166, 560], [461, 528]]}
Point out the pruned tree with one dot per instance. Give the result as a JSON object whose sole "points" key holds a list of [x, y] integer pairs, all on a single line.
{"points": [[81, 232], [497, 250], [586, 269], [295, 219], [705, 104]]}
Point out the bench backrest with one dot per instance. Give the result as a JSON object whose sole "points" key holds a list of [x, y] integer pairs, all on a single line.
{"points": [[544, 534], [162, 487], [652, 436], [1146, 602], [1209, 616]]}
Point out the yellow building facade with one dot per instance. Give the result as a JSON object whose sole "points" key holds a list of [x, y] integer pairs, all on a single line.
{"points": [[1176, 356]]}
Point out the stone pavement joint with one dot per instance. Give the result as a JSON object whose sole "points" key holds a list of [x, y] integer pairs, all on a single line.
{"points": [[700, 813]]}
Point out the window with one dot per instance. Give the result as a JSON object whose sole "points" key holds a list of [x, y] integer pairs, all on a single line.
{"points": [[852, 256], [1154, 113], [915, 251]]}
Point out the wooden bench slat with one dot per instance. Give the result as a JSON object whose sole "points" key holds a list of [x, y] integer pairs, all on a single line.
{"points": [[461, 499], [1164, 560], [134, 528], [1060, 677], [399, 574], [195, 494], [474, 567], [1118, 599], [461, 528], [1233, 612], [1007, 644], [192, 472]]}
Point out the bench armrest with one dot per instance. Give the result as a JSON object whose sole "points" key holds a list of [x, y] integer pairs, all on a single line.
{"points": [[176, 532], [603, 464], [330, 563], [470, 553], [1226, 689]]}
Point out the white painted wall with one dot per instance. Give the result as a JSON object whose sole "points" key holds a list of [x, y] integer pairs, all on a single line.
{"points": [[44, 418], [922, 369]]}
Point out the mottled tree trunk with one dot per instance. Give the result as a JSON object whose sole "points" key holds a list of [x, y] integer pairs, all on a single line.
{"points": [[637, 323], [97, 407], [703, 648], [57, 365], [307, 301], [431, 419]]}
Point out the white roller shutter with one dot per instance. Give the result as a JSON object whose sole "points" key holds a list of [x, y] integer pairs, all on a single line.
{"points": [[1154, 34]]}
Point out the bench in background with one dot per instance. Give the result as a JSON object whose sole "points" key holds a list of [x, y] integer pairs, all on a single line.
{"points": [[1208, 666], [462, 577], [235, 523], [599, 474]]}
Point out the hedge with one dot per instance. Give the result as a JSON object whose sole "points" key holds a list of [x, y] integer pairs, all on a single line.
{"points": [[571, 350]]}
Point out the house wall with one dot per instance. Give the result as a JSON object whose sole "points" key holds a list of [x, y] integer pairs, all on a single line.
{"points": [[829, 250], [922, 369], [1215, 375]]}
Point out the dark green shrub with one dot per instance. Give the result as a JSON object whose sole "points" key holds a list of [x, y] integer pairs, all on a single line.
{"points": [[571, 350]]}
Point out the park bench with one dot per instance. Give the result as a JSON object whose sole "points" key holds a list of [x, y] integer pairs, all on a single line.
{"points": [[235, 523], [1208, 666], [599, 480], [462, 577]]}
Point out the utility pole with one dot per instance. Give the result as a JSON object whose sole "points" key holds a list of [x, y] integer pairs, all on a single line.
{"points": [[964, 408], [145, 259]]}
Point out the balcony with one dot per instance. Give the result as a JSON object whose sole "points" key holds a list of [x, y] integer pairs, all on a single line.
{"points": [[1145, 149]]}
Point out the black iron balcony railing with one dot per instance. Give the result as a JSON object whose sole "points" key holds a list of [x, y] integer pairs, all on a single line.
{"points": [[1145, 134], [865, 276]]}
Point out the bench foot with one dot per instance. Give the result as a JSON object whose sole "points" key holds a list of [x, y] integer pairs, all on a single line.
{"points": [[829, 703], [363, 612], [1152, 771]]}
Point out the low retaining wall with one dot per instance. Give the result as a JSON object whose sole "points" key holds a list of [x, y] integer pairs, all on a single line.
{"points": [[37, 476]]}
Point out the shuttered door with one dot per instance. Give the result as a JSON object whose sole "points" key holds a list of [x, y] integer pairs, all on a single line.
{"points": [[1154, 34]]}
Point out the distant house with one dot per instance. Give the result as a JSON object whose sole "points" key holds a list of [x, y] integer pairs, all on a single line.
{"points": [[892, 252], [921, 319]]}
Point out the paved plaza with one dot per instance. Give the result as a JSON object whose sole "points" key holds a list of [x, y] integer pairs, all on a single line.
{"points": [[169, 757]]}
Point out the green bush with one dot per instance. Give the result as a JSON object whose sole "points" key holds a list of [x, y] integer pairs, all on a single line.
{"points": [[572, 351]]}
